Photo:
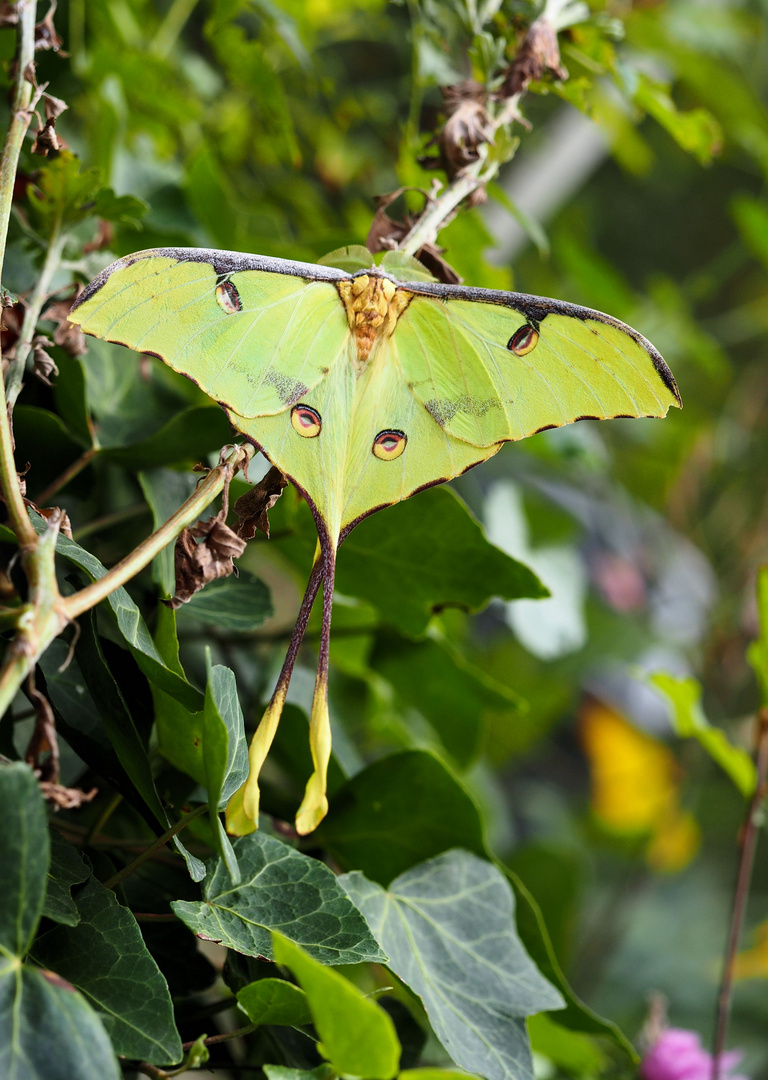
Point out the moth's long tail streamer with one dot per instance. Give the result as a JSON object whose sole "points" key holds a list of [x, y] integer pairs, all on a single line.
{"points": [[314, 805], [243, 808]]}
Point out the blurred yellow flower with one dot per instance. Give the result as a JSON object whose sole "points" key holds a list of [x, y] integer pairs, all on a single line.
{"points": [[635, 787], [753, 963]]}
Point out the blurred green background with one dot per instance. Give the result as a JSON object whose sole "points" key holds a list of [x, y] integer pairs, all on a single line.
{"points": [[271, 127]]}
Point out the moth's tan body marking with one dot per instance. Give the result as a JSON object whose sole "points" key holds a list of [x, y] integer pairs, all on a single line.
{"points": [[373, 305]]}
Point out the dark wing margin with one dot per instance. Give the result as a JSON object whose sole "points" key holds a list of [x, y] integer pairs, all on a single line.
{"points": [[536, 309], [223, 262]]}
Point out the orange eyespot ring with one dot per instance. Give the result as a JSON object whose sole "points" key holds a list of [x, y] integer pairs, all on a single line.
{"points": [[389, 445], [306, 421], [523, 340], [228, 298]]}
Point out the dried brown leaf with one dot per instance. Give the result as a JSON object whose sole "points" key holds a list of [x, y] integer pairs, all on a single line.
{"points": [[252, 509], [46, 35], [385, 234], [198, 563], [46, 138], [68, 336], [9, 16], [43, 365], [53, 106], [65, 798]]}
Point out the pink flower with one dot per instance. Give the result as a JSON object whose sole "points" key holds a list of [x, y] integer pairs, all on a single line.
{"points": [[679, 1055]]}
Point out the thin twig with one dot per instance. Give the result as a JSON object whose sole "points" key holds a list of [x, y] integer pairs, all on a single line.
{"points": [[69, 473], [39, 297], [169, 834], [747, 842], [237, 1034], [142, 555]]}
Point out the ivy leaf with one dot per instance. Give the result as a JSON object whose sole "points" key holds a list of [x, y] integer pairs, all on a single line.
{"points": [[357, 1036], [66, 868], [225, 757], [397, 812], [38, 1010], [26, 847], [274, 1001], [448, 928], [280, 889], [105, 957], [238, 604]]}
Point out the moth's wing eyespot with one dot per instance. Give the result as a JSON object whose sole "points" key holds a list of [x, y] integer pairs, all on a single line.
{"points": [[524, 340], [228, 298], [306, 421], [389, 445]]}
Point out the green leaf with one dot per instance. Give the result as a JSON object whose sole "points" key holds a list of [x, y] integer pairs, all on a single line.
{"points": [[25, 858], [165, 490], [225, 757], [281, 889], [274, 1001], [576, 1054], [396, 813], [448, 928], [696, 130], [64, 194], [115, 715], [189, 434], [282, 1072], [689, 721], [425, 554], [434, 678], [356, 1035], [48, 1031], [130, 623], [233, 603], [576, 1016], [105, 957], [751, 217], [67, 868]]}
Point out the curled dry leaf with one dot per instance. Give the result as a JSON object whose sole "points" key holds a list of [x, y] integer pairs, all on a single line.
{"points": [[11, 319], [42, 752], [466, 127], [252, 508], [54, 514], [197, 564], [539, 54], [69, 337], [43, 365], [386, 233]]}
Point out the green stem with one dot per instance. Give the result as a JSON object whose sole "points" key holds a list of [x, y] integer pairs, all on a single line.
{"points": [[21, 116], [34, 306], [426, 228], [141, 556], [213, 1039], [172, 25], [169, 834]]}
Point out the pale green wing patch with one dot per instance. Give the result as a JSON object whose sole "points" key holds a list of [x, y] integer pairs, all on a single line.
{"points": [[253, 340], [338, 468], [567, 367]]}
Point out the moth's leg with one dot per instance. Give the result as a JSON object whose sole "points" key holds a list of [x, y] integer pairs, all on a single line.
{"points": [[265, 733], [314, 805]]}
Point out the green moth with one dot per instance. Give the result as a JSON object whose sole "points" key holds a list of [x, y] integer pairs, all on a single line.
{"points": [[364, 384]]}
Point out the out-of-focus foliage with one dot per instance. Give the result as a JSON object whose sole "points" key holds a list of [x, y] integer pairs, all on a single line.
{"points": [[272, 127]]}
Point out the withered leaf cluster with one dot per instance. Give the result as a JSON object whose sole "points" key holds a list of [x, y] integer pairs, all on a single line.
{"points": [[538, 56], [198, 563], [252, 509]]}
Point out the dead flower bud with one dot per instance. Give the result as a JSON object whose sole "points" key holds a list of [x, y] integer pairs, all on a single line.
{"points": [[56, 515], [253, 507], [9, 16], [538, 54], [197, 564], [46, 36], [43, 365], [46, 138], [53, 106], [466, 128]]}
